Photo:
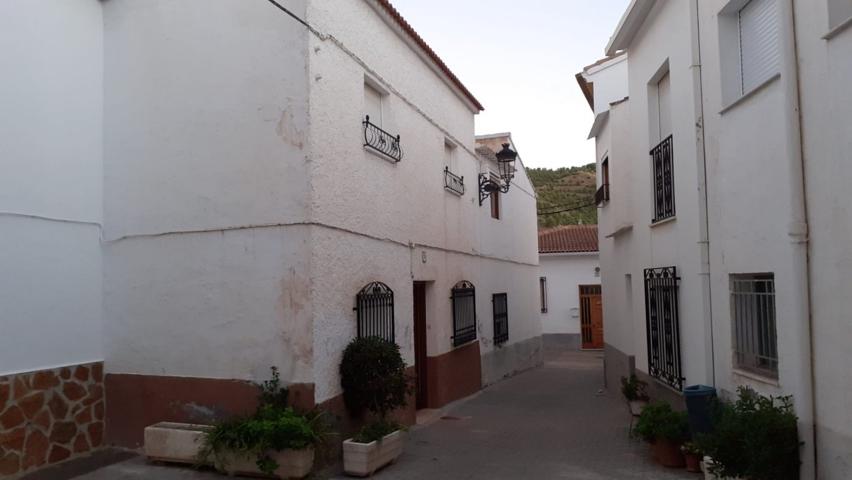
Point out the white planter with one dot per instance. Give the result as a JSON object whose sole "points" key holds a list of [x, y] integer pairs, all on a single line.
{"points": [[174, 442], [363, 459], [291, 464], [636, 406]]}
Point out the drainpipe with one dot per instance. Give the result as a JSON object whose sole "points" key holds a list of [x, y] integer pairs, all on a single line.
{"points": [[703, 213], [798, 232]]}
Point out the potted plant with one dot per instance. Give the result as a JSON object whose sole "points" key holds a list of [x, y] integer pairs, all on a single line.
{"points": [[372, 374], [756, 438], [633, 390], [275, 441], [666, 430], [692, 455]]}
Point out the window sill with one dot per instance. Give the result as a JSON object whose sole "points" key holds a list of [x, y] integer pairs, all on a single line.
{"points": [[836, 30], [749, 94], [756, 377], [663, 221]]}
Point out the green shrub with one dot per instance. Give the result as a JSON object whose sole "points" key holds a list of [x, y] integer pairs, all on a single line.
{"points": [[274, 426], [372, 374], [755, 438], [633, 389], [659, 421], [376, 431]]}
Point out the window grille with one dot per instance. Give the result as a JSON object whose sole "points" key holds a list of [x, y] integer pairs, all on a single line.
{"points": [[501, 318], [374, 311], [753, 314], [542, 286], [664, 202], [662, 325], [463, 296], [381, 141]]}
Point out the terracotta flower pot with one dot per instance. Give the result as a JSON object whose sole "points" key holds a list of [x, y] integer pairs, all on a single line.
{"points": [[693, 462], [667, 453]]}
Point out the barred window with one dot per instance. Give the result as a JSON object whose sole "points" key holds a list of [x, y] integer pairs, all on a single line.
{"points": [[374, 311], [501, 318], [542, 286], [753, 314], [663, 325], [464, 313]]}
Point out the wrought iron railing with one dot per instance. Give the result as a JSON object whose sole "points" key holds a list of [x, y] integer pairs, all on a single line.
{"points": [[463, 296], [663, 325], [664, 200], [755, 335], [381, 141], [602, 195], [453, 182], [501, 318], [374, 310]]}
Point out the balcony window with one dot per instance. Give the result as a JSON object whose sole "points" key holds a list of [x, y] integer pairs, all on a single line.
{"points": [[602, 195]]}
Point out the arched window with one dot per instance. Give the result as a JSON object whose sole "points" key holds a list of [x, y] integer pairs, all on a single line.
{"points": [[464, 313], [374, 310]]}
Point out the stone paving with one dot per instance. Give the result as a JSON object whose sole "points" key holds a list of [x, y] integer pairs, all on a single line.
{"points": [[553, 422]]}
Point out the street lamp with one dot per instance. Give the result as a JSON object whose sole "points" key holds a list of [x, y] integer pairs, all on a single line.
{"points": [[506, 167]]}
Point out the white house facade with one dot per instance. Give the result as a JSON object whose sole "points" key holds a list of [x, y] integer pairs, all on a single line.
{"points": [[569, 286], [742, 271], [211, 201]]}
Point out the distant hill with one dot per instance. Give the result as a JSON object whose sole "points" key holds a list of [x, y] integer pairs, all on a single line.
{"points": [[562, 189]]}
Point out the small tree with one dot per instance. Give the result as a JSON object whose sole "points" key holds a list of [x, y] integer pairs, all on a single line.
{"points": [[372, 375]]}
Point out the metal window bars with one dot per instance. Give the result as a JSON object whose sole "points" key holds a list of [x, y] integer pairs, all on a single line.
{"points": [[753, 314], [664, 200], [374, 311], [663, 325], [453, 183], [381, 141], [499, 302], [463, 296]]}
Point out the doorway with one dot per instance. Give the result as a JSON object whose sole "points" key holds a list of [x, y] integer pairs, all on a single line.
{"points": [[591, 317], [420, 367]]}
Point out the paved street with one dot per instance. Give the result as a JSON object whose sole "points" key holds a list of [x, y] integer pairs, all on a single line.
{"points": [[549, 423]]}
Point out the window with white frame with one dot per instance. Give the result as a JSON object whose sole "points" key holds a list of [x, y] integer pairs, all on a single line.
{"points": [[839, 12], [749, 40], [753, 322]]}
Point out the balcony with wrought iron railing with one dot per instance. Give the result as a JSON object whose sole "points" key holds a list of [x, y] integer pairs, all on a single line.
{"points": [[664, 200], [381, 141], [602, 195], [453, 183]]}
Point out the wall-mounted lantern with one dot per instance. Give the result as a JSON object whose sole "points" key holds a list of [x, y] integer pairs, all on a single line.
{"points": [[506, 166]]}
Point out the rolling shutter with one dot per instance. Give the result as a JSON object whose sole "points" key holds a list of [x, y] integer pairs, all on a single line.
{"points": [[759, 43]]}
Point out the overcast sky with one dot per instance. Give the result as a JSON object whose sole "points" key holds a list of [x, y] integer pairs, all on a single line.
{"points": [[519, 59]]}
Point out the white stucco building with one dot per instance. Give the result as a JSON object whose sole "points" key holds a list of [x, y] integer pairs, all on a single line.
{"points": [[190, 199], [569, 287], [730, 140]]}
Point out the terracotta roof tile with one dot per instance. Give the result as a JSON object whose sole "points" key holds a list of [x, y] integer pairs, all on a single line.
{"points": [[398, 18], [568, 239]]}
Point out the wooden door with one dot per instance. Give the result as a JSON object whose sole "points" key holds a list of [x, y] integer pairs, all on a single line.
{"points": [[591, 317], [420, 343]]}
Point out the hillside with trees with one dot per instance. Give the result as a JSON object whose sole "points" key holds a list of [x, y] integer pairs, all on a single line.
{"points": [[568, 191]]}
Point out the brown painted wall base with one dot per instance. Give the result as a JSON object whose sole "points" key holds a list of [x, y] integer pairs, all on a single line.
{"points": [[454, 375], [136, 401]]}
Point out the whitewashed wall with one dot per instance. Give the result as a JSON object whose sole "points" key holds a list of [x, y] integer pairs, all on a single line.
{"points": [[752, 148], [565, 273], [50, 132], [665, 38], [377, 218], [206, 264], [826, 73]]}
